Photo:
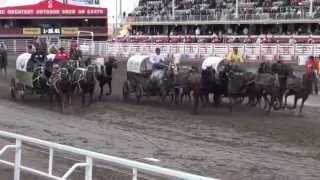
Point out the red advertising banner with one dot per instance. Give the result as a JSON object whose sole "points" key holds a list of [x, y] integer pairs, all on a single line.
{"points": [[52, 8]]}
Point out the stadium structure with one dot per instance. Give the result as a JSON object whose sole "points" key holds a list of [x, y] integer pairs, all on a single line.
{"points": [[52, 19], [227, 21]]}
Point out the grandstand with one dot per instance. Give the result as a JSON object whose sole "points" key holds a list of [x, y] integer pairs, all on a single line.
{"points": [[226, 21]]}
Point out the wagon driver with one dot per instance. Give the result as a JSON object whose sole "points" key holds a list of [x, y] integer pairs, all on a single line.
{"points": [[61, 57], [75, 53], [235, 57], [157, 60]]}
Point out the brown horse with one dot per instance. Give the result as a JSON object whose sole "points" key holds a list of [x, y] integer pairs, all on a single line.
{"points": [[300, 88], [192, 83], [104, 74]]}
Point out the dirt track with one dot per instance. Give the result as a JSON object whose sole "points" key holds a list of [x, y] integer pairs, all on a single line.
{"points": [[247, 144]]}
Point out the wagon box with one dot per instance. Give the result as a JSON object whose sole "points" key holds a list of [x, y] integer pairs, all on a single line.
{"points": [[139, 68], [23, 74], [215, 62]]}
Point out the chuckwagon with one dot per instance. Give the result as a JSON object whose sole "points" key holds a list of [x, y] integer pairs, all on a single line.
{"points": [[28, 74], [217, 63], [139, 69]]}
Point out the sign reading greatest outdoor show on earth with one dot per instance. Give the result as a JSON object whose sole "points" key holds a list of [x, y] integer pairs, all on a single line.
{"points": [[52, 8]]}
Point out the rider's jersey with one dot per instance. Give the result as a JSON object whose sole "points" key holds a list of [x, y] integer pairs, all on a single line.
{"points": [[311, 66], [62, 56], [235, 58], [156, 59]]}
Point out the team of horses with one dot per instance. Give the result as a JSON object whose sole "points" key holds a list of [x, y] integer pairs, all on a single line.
{"points": [[270, 85], [62, 81]]}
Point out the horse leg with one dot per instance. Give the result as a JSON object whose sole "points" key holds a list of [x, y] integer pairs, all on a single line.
{"points": [[51, 101], [110, 88], [216, 99], [101, 90], [5, 72], [91, 96], [176, 95], [272, 101], [181, 97], [302, 103], [83, 97], [69, 95], [295, 102], [266, 101], [231, 101], [286, 94], [62, 101], [196, 95], [315, 85], [189, 95]]}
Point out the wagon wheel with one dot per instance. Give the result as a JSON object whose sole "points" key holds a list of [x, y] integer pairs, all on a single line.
{"points": [[13, 89], [239, 100], [125, 90], [139, 93]]}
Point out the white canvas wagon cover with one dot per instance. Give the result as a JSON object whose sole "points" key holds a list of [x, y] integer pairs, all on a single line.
{"points": [[22, 61], [139, 64], [213, 61]]}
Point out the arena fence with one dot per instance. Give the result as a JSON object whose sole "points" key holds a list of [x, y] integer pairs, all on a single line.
{"points": [[88, 164], [251, 52]]}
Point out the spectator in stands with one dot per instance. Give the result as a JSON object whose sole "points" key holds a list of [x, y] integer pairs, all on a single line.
{"points": [[310, 40], [247, 39], [292, 40], [235, 57], [272, 40]]}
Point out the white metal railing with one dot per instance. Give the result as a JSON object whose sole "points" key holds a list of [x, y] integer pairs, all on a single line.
{"points": [[251, 52], [88, 164]]}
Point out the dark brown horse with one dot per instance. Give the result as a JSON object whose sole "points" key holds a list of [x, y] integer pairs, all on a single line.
{"points": [[194, 85], [59, 86], [85, 81], [104, 74], [300, 88]]}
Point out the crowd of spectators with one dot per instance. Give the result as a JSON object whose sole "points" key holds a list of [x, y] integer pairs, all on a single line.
{"points": [[260, 39], [226, 9]]}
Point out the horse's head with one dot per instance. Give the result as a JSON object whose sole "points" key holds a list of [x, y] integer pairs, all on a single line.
{"points": [[87, 62], [48, 65], [208, 74], [65, 74], [90, 73], [112, 62]]}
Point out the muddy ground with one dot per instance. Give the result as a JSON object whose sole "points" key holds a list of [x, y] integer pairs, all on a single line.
{"points": [[243, 145]]}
